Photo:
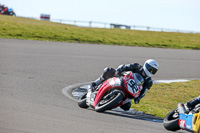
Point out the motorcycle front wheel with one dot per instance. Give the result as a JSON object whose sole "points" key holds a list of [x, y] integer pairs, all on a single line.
{"points": [[171, 121], [107, 104]]}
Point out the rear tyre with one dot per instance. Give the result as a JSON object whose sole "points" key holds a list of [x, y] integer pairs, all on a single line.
{"points": [[171, 121], [82, 101], [109, 104]]}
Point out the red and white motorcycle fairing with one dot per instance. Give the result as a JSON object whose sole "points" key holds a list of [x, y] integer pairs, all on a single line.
{"points": [[116, 83], [109, 84]]}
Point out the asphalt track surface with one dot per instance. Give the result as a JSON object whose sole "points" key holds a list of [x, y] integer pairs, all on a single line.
{"points": [[33, 74]]}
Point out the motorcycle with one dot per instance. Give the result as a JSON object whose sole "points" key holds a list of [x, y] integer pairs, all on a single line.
{"points": [[113, 93], [11, 13], [183, 118], [8, 12]]}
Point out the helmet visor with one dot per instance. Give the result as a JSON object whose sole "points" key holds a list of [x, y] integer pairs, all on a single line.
{"points": [[151, 69]]}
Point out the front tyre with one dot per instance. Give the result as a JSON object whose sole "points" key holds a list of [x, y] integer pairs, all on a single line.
{"points": [[109, 103], [82, 101], [171, 121]]}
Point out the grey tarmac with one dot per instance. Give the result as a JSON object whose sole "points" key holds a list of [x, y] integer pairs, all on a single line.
{"points": [[33, 74]]}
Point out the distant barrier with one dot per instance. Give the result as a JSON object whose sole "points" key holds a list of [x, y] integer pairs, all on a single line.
{"points": [[94, 24]]}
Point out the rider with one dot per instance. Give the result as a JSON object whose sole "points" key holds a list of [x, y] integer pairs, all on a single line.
{"points": [[5, 11], [191, 104], [149, 69]]}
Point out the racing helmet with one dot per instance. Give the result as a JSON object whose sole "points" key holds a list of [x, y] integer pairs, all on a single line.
{"points": [[150, 67]]}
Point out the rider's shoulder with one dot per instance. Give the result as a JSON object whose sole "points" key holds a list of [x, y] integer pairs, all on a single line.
{"points": [[135, 63]]}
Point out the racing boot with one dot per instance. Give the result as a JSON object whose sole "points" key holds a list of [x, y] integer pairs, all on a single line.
{"points": [[107, 73], [96, 83], [127, 105], [193, 103]]}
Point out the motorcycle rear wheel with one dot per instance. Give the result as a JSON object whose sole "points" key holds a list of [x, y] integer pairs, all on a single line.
{"points": [[171, 122], [82, 101], [109, 104]]}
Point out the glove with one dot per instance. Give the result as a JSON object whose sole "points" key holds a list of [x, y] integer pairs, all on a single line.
{"points": [[120, 69], [117, 73], [137, 100], [93, 86]]}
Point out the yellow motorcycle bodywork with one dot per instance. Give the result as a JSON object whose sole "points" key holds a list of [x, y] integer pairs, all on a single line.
{"points": [[196, 123]]}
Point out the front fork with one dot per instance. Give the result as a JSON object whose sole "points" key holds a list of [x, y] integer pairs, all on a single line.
{"points": [[181, 108], [90, 97]]}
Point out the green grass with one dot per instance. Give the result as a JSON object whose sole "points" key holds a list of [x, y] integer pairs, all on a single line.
{"points": [[23, 28], [162, 98]]}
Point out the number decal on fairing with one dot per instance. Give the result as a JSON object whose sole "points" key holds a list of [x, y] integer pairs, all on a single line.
{"points": [[182, 123], [132, 87]]}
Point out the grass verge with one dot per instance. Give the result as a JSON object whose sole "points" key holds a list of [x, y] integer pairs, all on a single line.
{"points": [[24, 28], [162, 98]]}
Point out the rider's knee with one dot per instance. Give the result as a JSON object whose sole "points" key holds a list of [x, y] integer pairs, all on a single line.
{"points": [[108, 73]]}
